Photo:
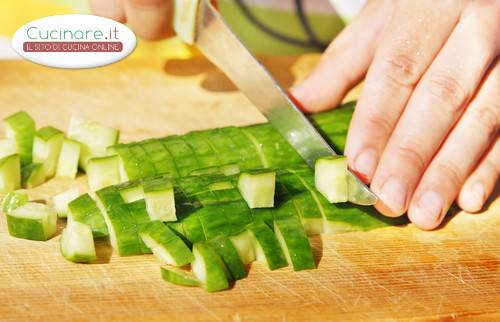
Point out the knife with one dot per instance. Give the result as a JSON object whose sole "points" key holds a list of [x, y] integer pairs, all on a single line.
{"points": [[198, 23]]}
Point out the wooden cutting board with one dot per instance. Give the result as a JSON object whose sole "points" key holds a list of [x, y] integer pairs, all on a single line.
{"points": [[391, 273]]}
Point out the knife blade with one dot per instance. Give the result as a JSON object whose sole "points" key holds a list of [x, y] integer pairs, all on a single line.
{"points": [[211, 35]]}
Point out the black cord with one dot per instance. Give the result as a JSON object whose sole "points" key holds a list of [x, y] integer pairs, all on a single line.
{"points": [[307, 27]]}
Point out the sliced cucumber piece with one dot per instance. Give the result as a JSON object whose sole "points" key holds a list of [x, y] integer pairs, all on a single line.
{"points": [[103, 172], [243, 242], [230, 169], [258, 188], [185, 19], [131, 191], [179, 276], [32, 221], [223, 185], [94, 138], [209, 268], [77, 243], [46, 149], [84, 210], [10, 174], [32, 175], [67, 166], [169, 248], [331, 178], [61, 201], [226, 250], [7, 147], [160, 201], [266, 246], [294, 243], [13, 200], [21, 128]]}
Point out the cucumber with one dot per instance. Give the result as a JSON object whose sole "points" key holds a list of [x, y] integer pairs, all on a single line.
{"points": [[20, 127], [14, 200], [223, 185], [331, 178], [67, 166], [103, 172], [7, 147], [294, 243], [178, 276], [10, 174], [61, 201], [229, 255], [258, 188], [32, 221], [93, 137], [209, 268], [243, 243], [77, 243], [84, 210], [169, 248], [46, 149], [160, 200], [266, 246], [131, 191], [32, 175]]}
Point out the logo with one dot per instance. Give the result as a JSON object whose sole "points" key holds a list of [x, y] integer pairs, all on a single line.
{"points": [[74, 41]]}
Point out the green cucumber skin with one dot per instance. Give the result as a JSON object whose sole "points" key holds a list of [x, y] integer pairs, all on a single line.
{"points": [[48, 141], [297, 243], [10, 174], [178, 277], [84, 210], [225, 248], [270, 246], [32, 175], [13, 200], [22, 127], [31, 228], [216, 278]]}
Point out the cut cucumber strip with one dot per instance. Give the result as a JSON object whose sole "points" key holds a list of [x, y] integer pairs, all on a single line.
{"points": [[160, 200], [103, 172], [10, 174], [46, 149], [294, 243], [21, 128], [32, 221], [32, 175], [169, 248], [223, 185], [258, 188], [226, 250], [13, 200], [84, 210], [266, 246], [77, 243], [61, 201], [94, 138], [243, 242], [185, 19], [7, 147], [178, 276], [230, 169], [209, 268], [131, 191], [331, 178], [67, 166]]}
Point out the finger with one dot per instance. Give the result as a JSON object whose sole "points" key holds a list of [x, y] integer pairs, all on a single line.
{"points": [[112, 9], [460, 153], [481, 183], [150, 19], [406, 50], [435, 105], [344, 63]]}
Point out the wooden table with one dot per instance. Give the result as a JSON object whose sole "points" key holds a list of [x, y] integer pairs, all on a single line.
{"points": [[390, 273]]}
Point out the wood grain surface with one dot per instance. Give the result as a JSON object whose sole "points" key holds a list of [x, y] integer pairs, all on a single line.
{"points": [[396, 273]]}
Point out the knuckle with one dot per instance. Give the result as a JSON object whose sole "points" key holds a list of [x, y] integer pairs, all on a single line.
{"points": [[451, 173], [414, 156], [488, 119], [380, 123], [401, 70], [447, 91]]}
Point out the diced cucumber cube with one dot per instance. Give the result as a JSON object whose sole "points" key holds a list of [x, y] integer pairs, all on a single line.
{"points": [[32, 221], [169, 248], [178, 276], [294, 243], [77, 243], [7, 147], [330, 175], [131, 191], [46, 149], [94, 137], [229, 255], [20, 127], [209, 268], [61, 201], [32, 175], [67, 166], [160, 199], [84, 210], [103, 172], [266, 246], [258, 188], [10, 174], [243, 242], [13, 200]]}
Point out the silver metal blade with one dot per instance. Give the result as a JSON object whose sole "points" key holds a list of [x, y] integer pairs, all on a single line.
{"points": [[221, 46]]}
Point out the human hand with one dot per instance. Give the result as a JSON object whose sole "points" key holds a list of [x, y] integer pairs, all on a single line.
{"points": [[425, 129], [149, 19]]}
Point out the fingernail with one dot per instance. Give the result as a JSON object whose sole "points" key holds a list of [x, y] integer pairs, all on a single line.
{"points": [[428, 211], [366, 163], [393, 195], [474, 197]]}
